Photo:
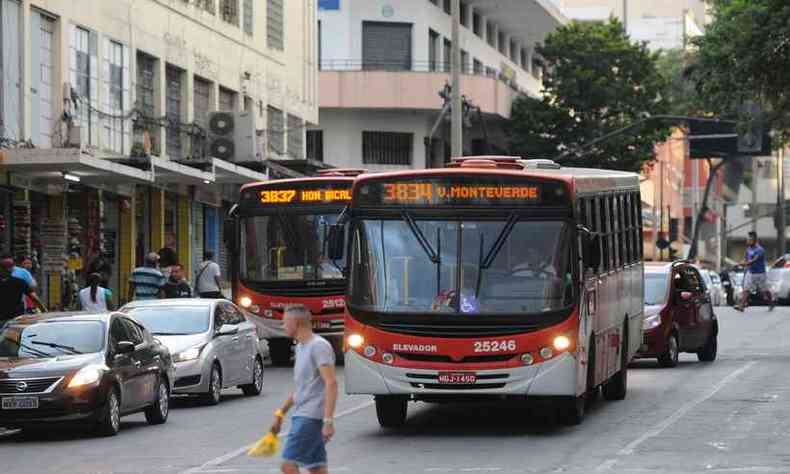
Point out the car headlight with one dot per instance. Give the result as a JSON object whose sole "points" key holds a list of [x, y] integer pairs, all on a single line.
{"points": [[86, 376], [651, 322], [189, 354]]}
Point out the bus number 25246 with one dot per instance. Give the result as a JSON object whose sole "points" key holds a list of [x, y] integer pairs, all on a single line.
{"points": [[495, 346]]}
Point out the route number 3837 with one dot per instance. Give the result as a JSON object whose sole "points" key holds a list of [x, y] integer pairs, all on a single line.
{"points": [[495, 346]]}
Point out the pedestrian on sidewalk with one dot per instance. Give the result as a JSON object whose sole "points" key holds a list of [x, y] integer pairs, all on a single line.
{"points": [[755, 278], [176, 286], [207, 281], [24, 270], [146, 281], [12, 289], [313, 398], [95, 297]]}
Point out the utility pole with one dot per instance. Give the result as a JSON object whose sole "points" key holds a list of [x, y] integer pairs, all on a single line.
{"points": [[780, 205], [753, 209], [457, 127], [694, 199]]}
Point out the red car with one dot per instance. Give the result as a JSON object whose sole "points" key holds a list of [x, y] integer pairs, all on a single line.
{"points": [[678, 314]]}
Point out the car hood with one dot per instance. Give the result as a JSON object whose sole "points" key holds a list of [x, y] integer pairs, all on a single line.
{"points": [[178, 344], [653, 309], [12, 368]]}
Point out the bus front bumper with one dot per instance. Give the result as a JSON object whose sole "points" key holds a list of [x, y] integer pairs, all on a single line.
{"points": [[555, 377]]}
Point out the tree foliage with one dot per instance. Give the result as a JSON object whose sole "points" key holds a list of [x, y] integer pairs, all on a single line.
{"points": [[745, 56], [596, 81], [680, 92]]}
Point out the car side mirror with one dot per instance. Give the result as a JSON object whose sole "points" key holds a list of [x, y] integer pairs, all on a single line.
{"points": [[336, 241], [227, 330], [124, 347]]}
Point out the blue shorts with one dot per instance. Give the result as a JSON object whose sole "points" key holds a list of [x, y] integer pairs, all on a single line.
{"points": [[305, 445]]}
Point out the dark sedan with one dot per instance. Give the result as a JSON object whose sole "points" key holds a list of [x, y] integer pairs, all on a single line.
{"points": [[81, 368]]}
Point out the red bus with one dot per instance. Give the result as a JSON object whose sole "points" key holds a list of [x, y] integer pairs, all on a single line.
{"points": [[494, 277], [280, 232]]}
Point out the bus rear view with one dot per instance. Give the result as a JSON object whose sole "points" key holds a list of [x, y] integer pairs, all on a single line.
{"points": [[475, 282], [283, 229]]}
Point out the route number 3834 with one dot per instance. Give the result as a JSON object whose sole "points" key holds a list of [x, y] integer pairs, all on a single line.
{"points": [[495, 346]]}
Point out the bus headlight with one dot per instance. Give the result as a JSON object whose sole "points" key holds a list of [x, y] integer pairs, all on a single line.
{"points": [[562, 343], [355, 341], [527, 359], [245, 301], [370, 351]]}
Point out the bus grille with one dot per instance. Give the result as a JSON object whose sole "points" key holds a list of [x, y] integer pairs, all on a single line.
{"points": [[458, 331], [447, 360]]}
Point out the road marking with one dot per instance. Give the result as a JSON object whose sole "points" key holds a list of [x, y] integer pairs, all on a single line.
{"points": [[680, 413], [218, 461]]}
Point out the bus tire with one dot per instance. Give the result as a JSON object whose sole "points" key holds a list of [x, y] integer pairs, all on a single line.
{"points": [[616, 387], [391, 411], [280, 351], [572, 411]]}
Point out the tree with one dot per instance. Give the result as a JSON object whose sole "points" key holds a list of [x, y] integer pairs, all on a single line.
{"points": [[680, 91], [596, 81], [744, 56]]}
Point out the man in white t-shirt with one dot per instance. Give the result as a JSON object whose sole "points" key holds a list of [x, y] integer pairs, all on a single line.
{"points": [[207, 282]]}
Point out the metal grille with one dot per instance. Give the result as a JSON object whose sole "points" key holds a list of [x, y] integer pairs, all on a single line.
{"points": [[229, 10], [173, 113], [227, 100], [387, 148], [386, 46], [30, 385], [295, 137], [275, 24], [275, 130], [315, 145], [146, 67], [446, 359]]}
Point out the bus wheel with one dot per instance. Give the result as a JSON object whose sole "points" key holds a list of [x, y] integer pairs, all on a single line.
{"points": [[572, 411], [391, 411], [280, 351], [616, 387]]}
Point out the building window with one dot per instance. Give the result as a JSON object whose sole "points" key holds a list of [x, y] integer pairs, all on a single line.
{"points": [[147, 128], [524, 59], [275, 24], [448, 54], [464, 62], [386, 46], [229, 11], [227, 100], [173, 111], [448, 6], [477, 23], [295, 137], [201, 103], [85, 79], [275, 130], [478, 67], [501, 43], [11, 98], [513, 51], [433, 50], [490, 34], [387, 148], [46, 81], [464, 14], [315, 145], [117, 133], [206, 5], [249, 17]]}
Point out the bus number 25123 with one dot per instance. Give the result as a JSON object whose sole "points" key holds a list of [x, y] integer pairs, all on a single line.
{"points": [[495, 346]]}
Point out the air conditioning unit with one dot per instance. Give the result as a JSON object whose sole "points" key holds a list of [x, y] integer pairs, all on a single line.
{"points": [[232, 137]]}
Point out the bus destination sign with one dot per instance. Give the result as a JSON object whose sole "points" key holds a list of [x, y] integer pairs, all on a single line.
{"points": [[304, 196], [480, 191]]}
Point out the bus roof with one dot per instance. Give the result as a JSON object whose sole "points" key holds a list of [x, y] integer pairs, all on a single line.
{"points": [[314, 179]]}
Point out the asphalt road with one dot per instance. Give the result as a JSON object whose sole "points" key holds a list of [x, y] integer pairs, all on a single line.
{"points": [[729, 416]]}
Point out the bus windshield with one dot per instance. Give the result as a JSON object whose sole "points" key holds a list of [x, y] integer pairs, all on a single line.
{"points": [[287, 247], [461, 267]]}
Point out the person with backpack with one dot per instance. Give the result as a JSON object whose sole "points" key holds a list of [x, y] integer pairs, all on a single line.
{"points": [[207, 281], [94, 297]]}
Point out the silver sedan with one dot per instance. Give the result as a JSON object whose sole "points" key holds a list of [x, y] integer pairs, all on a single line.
{"points": [[213, 344]]}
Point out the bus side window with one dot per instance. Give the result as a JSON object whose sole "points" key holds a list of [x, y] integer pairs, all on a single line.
{"points": [[622, 231], [637, 206]]}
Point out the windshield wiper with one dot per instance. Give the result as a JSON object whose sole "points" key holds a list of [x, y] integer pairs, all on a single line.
{"points": [[34, 350], [421, 239], [486, 263], [55, 345]]}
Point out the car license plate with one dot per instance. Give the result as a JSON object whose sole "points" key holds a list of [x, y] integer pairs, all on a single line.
{"points": [[322, 325], [20, 403], [457, 378]]}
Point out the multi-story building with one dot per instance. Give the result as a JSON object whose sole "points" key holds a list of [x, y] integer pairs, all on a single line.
{"points": [[384, 64], [105, 108], [664, 24]]}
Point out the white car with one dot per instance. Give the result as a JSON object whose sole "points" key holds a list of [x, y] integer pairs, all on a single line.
{"points": [[779, 278], [714, 290]]}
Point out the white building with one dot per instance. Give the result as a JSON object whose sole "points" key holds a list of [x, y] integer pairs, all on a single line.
{"points": [[383, 64]]}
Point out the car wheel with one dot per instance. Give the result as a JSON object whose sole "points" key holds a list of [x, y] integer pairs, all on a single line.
{"points": [[280, 352], [109, 422], [256, 387], [214, 394], [616, 387], [157, 413], [709, 351], [671, 355], [391, 411]]}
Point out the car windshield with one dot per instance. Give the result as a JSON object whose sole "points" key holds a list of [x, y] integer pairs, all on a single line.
{"points": [[51, 339], [656, 288], [486, 267], [172, 320], [288, 247]]}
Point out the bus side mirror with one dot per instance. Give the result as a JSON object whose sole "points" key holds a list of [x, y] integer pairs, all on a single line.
{"points": [[336, 241], [230, 235]]}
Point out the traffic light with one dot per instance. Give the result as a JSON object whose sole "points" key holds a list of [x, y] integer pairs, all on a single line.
{"points": [[750, 128]]}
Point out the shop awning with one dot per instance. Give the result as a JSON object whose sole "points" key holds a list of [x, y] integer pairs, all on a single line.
{"points": [[229, 173], [54, 166], [170, 172]]}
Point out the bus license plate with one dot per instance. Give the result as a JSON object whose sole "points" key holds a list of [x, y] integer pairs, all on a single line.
{"points": [[457, 378], [322, 325], [20, 403]]}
